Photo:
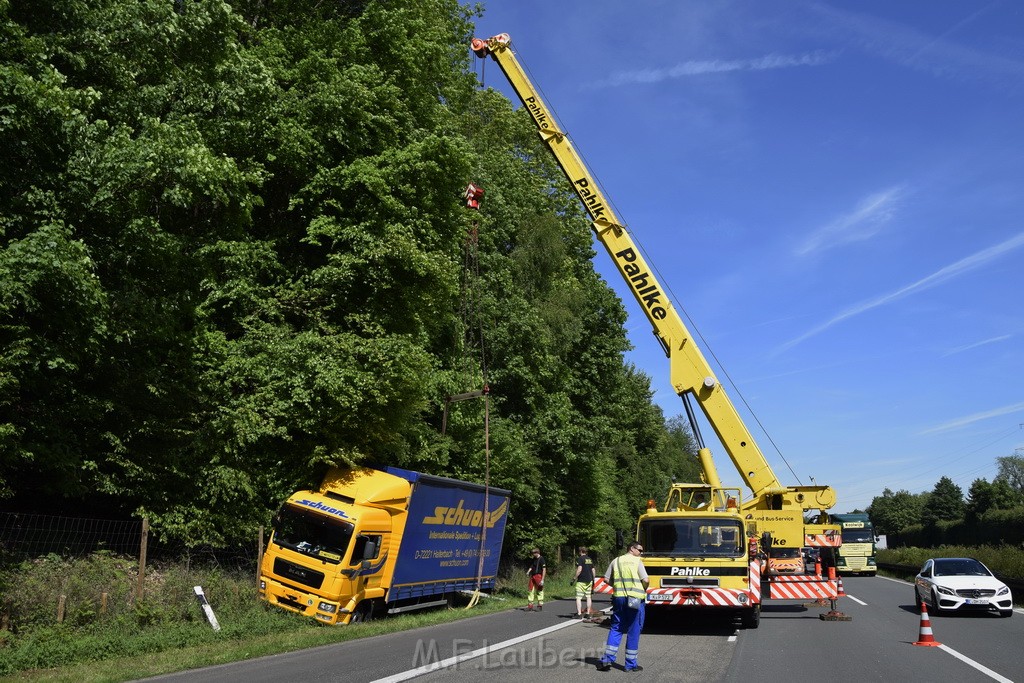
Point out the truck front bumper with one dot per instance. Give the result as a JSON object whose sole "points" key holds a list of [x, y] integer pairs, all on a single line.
{"points": [[305, 603]]}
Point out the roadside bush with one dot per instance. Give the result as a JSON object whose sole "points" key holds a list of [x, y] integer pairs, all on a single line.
{"points": [[1004, 560]]}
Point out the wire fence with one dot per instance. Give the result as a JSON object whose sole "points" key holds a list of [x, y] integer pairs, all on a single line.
{"points": [[25, 536], [31, 535], [78, 569]]}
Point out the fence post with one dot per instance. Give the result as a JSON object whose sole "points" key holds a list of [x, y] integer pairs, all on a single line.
{"points": [[60, 609], [259, 555], [143, 540]]}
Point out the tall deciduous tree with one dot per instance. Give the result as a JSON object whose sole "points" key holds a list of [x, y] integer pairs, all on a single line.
{"points": [[946, 502]]}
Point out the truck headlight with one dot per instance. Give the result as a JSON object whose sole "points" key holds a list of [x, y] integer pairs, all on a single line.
{"points": [[327, 607], [871, 562]]}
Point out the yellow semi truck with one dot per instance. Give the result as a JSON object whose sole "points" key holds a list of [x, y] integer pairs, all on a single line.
{"points": [[371, 541]]}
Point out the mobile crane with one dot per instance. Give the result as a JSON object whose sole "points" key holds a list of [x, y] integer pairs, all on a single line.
{"points": [[695, 553]]}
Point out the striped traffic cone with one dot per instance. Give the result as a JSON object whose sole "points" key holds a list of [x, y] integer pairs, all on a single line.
{"points": [[926, 637], [841, 593]]}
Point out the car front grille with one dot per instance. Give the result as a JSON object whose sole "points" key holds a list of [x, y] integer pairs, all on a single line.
{"points": [[976, 593]]}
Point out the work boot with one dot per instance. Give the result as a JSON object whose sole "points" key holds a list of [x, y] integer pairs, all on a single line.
{"points": [[540, 608], [529, 608]]}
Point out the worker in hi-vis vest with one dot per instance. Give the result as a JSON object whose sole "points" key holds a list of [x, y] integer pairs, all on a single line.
{"points": [[629, 577]]}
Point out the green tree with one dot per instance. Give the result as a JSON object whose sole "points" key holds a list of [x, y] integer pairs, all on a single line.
{"points": [[946, 502], [1011, 470], [892, 512]]}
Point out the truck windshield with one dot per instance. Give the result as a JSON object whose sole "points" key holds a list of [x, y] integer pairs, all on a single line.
{"points": [[858, 536], [307, 532], [692, 538]]}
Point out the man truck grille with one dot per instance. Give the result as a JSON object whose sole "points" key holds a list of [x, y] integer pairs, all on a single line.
{"points": [[298, 574]]}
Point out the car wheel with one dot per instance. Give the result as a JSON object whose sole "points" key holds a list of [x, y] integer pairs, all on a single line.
{"points": [[935, 603]]}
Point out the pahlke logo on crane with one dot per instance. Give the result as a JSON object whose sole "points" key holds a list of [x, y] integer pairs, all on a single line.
{"points": [[640, 280]]}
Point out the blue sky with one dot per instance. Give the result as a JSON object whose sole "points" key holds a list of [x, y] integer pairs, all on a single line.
{"points": [[833, 192]]}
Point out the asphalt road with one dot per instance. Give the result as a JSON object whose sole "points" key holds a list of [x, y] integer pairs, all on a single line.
{"points": [[792, 645]]}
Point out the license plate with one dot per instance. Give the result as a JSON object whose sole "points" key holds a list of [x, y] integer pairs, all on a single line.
{"points": [[973, 601], [659, 598]]}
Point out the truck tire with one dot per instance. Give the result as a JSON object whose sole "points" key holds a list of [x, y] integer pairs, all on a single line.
{"points": [[752, 617], [364, 612]]}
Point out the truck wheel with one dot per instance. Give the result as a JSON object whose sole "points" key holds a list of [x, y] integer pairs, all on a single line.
{"points": [[752, 617], [364, 612]]}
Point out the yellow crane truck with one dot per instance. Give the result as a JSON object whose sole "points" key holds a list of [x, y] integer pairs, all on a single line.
{"points": [[698, 555]]}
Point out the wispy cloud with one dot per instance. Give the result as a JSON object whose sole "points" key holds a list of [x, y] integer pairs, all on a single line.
{"points": [[711, 66], [865, 221], [937, 278], [976, 417], [968, 347], [915, 49]]}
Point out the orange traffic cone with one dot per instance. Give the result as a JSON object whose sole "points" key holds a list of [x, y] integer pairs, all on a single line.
{"points": [[926, 637]]}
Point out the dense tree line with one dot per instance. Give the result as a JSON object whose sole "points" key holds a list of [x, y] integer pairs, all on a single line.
{"points": [[946, 503], [233, 252]]}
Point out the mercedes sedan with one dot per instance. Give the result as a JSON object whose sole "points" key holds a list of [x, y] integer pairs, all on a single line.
{"points": [[961, 584]]}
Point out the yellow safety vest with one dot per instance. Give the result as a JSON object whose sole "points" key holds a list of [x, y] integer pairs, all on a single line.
{"points": [[627, 578]]}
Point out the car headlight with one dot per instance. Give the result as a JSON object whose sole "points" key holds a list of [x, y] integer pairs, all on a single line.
{"points": [[945, 591], [1003, 591], [326, 607]]}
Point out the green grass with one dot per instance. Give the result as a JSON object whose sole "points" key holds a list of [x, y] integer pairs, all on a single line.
{"points": [[167, 631], [234, 644]]}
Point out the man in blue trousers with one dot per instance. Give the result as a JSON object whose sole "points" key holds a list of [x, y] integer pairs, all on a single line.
{"points": [[629, 577]]}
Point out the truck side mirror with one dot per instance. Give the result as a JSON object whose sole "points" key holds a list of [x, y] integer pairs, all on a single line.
{"points": [[766, 541], [370, 550], [620, 539]]}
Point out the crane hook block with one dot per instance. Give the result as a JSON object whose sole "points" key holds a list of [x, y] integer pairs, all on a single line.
{"points": [[473, 195]]}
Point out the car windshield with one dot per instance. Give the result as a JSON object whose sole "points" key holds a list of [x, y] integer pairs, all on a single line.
{"points": [[959, 567]]}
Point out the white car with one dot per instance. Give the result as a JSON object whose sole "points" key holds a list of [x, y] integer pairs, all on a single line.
{"points": [[963, 584]]}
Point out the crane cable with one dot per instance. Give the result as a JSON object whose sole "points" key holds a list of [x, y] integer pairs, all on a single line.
{"points": [[472, 321]]}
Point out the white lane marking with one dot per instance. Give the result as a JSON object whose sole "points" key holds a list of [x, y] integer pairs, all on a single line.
{"points": [[480, 652], [983, 669], [859, 602]]}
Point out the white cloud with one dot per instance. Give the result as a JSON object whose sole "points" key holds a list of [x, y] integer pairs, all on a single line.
{"points": [[976, 417], [968, 347], [937, 278], [701, 67], [865, 221]]}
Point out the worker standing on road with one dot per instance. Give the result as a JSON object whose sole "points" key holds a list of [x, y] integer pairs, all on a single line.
{"points": [[537, 572], [629, 577], [584, 582]]}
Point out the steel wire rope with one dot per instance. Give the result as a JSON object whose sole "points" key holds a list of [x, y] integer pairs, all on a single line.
{"points": [[654, 266], [472, 314]]}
